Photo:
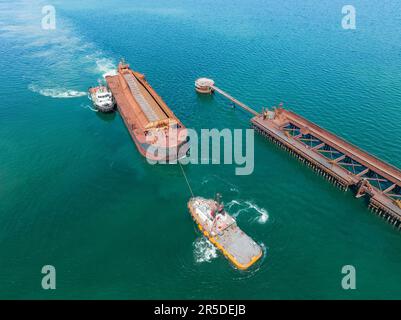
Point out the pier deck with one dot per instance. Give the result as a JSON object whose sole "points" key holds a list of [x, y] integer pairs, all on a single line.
{"points": [[341, 162]]}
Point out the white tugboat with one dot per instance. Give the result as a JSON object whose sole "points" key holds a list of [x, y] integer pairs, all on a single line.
{"points": [[102, 98], [223, 232]]}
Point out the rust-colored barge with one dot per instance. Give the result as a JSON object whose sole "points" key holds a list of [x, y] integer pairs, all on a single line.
{"points": [[158, 134], [340, 162]]}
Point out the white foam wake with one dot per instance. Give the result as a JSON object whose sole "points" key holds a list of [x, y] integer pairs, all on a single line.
{"points": [[204, 250], [60, 59], [85, 106], [106, 67], [262, 216], [59, 93]]}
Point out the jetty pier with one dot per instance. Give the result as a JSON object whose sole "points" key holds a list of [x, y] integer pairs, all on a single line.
{"points": [[339, 161]]}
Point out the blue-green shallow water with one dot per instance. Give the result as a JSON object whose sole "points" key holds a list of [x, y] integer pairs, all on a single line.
{"points": [[76, 194]]}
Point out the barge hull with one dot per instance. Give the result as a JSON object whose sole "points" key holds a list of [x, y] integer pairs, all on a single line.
{"points": [[148, 119]]}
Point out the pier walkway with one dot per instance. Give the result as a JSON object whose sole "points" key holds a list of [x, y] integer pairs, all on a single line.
{"points": [[232, 99], [344, 164]]}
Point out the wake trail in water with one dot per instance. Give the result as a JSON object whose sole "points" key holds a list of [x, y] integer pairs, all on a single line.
{"points": [[89, 107], [59, 93], [204, 250], [248, 207], [55, 62], [106, 67]]}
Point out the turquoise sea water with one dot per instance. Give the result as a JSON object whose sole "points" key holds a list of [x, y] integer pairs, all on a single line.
{"points": [[76, 194]]}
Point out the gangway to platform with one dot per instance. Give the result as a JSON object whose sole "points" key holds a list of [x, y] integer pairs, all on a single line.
{"points": [[235, 101]]}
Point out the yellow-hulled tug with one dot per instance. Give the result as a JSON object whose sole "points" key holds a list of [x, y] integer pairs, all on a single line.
{"points": [[223, 232]]}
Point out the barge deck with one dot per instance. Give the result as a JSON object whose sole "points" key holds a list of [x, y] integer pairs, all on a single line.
{"points": [[158, 134]]}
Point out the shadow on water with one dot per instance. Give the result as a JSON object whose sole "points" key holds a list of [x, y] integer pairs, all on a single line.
{"points": [[107, 117], [204, 98]]}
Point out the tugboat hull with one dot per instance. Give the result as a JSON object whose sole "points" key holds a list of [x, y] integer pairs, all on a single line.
{"points": [[237, 247], [105, 109], [102, 99]]}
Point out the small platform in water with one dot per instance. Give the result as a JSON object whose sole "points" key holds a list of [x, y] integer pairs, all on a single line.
{"points": [[222, 231]]}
